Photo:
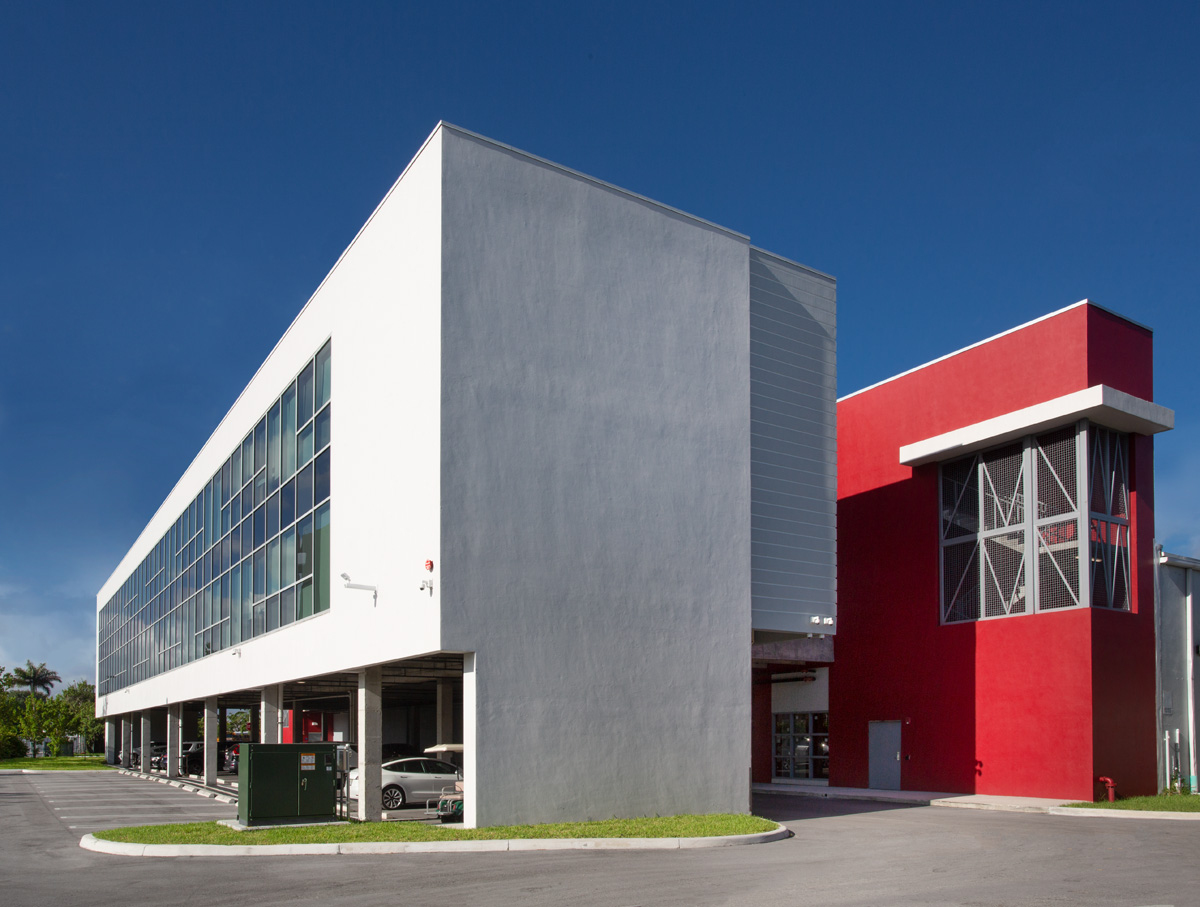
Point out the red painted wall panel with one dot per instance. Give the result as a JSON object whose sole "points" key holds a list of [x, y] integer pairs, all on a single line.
{"points": [[1028, 705], [761, 722], [1033, 734]]}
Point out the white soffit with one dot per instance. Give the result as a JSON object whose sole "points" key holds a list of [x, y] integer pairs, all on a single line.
{"points": [[1100, 404]]}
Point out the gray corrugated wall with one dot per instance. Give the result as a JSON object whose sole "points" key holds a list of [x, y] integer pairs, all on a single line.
{"points": [[793, 445]]}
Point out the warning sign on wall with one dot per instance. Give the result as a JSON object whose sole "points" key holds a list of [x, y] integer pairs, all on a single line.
{"points": [[308, 762]]}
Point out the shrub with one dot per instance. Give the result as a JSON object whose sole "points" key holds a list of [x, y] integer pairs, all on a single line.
{"points": [[12, 747]]}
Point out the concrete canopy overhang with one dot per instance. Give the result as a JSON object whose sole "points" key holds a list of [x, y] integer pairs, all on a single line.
{"points": [[400, 678], [1100, 404]]}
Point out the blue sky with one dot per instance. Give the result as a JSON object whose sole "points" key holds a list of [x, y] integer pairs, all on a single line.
{"points": [[176, 179]]}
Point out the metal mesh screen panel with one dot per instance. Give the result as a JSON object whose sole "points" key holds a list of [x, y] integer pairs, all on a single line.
{"points": [[1109, 548], [1056, 473], [1003, 478], [1109, 473], [1058, 565], [1004, 575], [960, 582], [960, 498]]}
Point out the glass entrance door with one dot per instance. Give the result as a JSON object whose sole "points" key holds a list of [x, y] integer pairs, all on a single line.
{"points": [[802, 745]]}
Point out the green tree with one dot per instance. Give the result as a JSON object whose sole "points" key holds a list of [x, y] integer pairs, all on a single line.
{"points": [[37, 677], [238, 722], [79, 700], [57, 722], [31, 721]]}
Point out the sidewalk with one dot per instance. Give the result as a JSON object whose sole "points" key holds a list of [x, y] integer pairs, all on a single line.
{"points": [[914, 797], [967, 801]]}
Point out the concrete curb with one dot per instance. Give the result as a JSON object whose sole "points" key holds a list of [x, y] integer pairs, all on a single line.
{"points": [[1081, 812], [91, 842]]}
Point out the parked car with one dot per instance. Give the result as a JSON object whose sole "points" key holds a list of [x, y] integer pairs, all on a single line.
{"points": [[411, 781]]}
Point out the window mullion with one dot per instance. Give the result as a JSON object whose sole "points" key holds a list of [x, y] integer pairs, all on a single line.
{"points": [[1028, 465], [1083, 508]]}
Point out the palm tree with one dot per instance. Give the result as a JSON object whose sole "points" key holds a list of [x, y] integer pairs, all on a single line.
{"points": [[36, 677]]}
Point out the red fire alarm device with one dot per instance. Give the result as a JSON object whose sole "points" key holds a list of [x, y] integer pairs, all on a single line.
{"points": [[429, 566]]}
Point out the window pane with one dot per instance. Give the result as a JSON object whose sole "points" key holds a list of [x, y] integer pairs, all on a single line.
{"points": [[225, 596], [323, 376], [273, 448], [273, 612], [273, 566], [304, 445], [287, 503], [304, 394], [235, 545], [260, 487], [321, 567], [304, 607], [322, 424], [287, 558], [247, 598], [235, 606], [260, 525], [260, 574], [260, 445], [248, 458], [273, 516], [225, 483], [287, 606], [321, 478], [260, 618], [235, 472], [304, 490], [304, 547], [288, 432]]}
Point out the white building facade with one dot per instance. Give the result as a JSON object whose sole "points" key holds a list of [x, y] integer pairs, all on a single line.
{"points": [[540, 450]]}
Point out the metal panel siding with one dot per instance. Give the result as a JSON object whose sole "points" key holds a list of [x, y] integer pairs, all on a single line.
{"points": [[793, 437]]}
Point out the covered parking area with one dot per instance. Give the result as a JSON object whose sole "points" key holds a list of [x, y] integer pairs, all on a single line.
{"points": [[380, 711]]}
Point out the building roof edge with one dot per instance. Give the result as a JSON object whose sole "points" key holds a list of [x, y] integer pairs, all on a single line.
{"points": [[1012, 330]]}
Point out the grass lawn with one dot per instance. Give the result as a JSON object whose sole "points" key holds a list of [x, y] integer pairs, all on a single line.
{"points": [[1175, 803], [658, 827], [59, 763]]}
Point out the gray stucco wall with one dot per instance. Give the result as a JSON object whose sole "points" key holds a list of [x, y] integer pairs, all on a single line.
{"points": [[793, 412], [595, 492]]}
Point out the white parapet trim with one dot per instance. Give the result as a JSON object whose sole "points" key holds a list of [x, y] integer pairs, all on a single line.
{"points": [[1100, 403]]}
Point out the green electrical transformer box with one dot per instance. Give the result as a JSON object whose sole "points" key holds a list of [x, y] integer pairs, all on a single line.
{"points": [[280, 783]]}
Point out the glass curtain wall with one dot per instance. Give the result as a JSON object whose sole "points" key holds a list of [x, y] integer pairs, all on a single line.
{"points": [[249, 555]]}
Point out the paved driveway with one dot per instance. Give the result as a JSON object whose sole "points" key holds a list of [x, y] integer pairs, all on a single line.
{"points": [[844, 854]]}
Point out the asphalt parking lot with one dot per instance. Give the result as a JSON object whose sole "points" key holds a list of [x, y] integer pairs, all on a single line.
{"points": [[843, 854], [89, 801]]}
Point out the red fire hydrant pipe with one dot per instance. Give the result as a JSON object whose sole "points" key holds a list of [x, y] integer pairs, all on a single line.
{"points": [[1111, 786]]}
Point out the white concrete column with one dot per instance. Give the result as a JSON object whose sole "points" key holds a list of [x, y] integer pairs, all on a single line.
{"points": [[112, 740], [211, 731], [126, 741], [470, 762], [147, 749], [269, 724], [174, 711], [370, 744]]}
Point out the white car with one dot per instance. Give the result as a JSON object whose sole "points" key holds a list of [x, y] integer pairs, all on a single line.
{"points": [[411, 781]]}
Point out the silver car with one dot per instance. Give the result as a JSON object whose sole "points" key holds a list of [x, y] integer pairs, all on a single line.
{"points": [[411, 781]]}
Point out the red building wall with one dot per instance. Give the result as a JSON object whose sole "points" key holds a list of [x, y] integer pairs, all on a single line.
{"points": [[1033, 705]]}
